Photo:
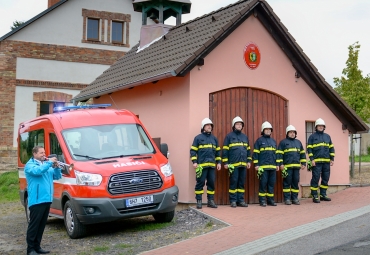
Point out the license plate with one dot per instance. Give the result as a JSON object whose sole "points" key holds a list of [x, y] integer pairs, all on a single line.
{"points": [[139, 201]]}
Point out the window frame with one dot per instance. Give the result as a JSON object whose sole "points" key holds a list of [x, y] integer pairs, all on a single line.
{"points": [[308, 133], [122, 32], [87, 29]]}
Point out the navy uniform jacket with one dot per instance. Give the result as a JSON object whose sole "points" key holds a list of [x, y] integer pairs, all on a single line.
{"points": [[205, 150], [291, 153], [264, 153], [236, 149], [320, 148]]}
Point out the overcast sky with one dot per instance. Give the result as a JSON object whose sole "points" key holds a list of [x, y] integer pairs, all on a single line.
{"points": [[323, 28]]}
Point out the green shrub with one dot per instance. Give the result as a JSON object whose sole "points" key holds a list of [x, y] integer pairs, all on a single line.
{"points": [[9, 186]]}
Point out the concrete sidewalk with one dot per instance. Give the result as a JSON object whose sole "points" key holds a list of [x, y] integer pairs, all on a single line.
{"points": [[255, 229]]}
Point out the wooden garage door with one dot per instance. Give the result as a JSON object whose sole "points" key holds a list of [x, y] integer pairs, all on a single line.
{"points": [[254, 106]]}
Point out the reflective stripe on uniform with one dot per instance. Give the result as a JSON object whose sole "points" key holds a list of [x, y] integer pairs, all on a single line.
{"points": [[194, 158], [268, 149], [286, 190], [239, 164], [194, 148], [225, 147], [207, 164], [203, 146], [318, 160], [232, 191], [268, 166], [291, 150], [279, 151], [262, 194], [235, 144], [198, 192], [320, 144], [323, 187], [295, 190], [303, 161], [240, 190], [225, 160], [293, 165], [256, 151], [314, 188], [269, 194], [210, 192], [218, 158]]}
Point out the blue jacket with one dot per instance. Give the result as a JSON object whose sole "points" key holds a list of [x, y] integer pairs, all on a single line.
{"points": [[320, 148], [236, 149], [291, 153], [40, 181], [264, 153], [205, 150]]}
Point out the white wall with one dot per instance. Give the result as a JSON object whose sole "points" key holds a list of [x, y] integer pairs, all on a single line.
{"points": [[25, 107], [64, 25], [58, 71]]}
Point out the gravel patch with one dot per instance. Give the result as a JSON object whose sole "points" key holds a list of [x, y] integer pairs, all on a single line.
{"points": [[129, 236]]}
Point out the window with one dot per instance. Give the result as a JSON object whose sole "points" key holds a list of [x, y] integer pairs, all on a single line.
{"points": [[92, 29], [107, 141], [48, 107], [29, 140], [117, 32], [55, 147], [310, 129]]}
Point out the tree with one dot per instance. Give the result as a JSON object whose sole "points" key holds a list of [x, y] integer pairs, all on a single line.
{"points": [[353, 87], [16, 24]]}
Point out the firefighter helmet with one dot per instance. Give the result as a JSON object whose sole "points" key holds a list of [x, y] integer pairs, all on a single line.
{"points": [[236, 120], [290, 128], [206, 121], [265, 125], [319, 122]]}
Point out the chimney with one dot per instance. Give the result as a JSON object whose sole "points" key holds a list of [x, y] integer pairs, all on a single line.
{"points": [[52, 2], [158, 11]]}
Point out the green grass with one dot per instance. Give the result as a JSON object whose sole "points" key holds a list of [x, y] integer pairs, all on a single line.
{"points": [[101, 248], [152, 226], [364, 158], [9, 187], [124, 246]]}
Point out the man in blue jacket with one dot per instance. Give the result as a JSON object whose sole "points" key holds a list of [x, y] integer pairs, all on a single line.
{"points": [[40, 174], [321, 152], [236, 157], [205, 155]]}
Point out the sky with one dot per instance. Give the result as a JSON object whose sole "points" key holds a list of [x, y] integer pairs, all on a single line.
{"points": [[323, 28]]}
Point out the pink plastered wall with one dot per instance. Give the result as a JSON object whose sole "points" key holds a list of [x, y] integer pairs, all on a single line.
{"points": [[224, 68], [163, 108]]}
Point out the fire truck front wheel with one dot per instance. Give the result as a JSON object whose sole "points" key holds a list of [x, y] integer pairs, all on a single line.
{"points": [[164, 217], [75, 229]]}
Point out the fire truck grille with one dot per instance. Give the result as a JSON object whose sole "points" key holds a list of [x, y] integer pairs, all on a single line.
{"points": [[133, 182]]}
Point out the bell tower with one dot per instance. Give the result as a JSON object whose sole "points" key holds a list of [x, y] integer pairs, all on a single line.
{"points": [[160, 10]]}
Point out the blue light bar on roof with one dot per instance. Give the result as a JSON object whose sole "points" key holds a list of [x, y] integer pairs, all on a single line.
{"points": [[90, 106]]}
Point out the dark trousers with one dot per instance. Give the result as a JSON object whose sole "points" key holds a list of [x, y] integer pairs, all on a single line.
{"points": [[208, 174], [290, 184], [268, 179], [38, 216], [323, 170], [236, 187]]}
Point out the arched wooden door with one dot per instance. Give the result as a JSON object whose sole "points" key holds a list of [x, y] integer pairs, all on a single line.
{"points": [[254, 106]]}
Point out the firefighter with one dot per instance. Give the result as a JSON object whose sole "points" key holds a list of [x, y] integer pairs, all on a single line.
{"points": [[264, 159], [205, 155], [236, 158], [292, 157], [320, 149]]}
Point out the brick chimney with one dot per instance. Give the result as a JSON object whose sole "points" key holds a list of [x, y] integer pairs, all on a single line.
{"points": [[52, 2]]}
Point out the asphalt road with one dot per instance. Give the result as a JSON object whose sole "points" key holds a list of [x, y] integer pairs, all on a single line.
{"points": [[350, 237]]}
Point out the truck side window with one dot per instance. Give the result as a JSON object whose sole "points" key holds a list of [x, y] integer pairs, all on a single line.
{"points": [[55, 147], [27, 141]]}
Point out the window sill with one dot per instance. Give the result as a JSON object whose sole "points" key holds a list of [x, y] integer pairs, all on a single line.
{"points": [[106, 43]]}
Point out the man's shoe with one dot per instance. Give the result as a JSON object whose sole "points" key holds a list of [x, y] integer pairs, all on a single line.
{"points": [[324, 198], [296, 202], [263, 204], [211, 203], [42, 251], [199, 204], [233, 204], [32, 253], [315, 199], [288, 202], [242, 204], [272, 203]]}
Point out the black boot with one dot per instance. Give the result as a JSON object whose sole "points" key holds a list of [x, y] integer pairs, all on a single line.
{"points": [[233, 204], [288, 202], [242, 204], [211, 203], [263, 203], [272, 203], [296, 202], [315, 199], [199, 204], [324, 198]]}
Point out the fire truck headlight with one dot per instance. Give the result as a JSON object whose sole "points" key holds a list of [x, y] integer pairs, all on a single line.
{"points": [[166, 170], [87, 179]]}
